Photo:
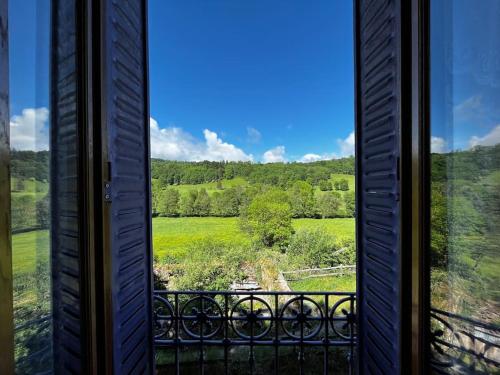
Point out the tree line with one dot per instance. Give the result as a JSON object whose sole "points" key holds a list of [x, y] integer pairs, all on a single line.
{"points": [[277, 174], [304, 202]]}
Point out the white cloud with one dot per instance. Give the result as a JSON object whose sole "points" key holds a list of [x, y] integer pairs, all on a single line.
{"points": [[438, 145], [309, 158], [346, 145], [253, 135], [173, 143], [29, 131], [274, 155], [490, 139]]}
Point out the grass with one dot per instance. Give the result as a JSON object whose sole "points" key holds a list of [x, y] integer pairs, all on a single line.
{"points": [[172, 236], [26, 248], [345, 283]]}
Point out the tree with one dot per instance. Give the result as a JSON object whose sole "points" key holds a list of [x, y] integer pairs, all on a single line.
{"points": [[325, 185], [342, 185], [329, 204], [202, 203], [350, 203], [302, 199], [268, 219], [169, 202], [225, 203], [186, 206], [43, 212]]}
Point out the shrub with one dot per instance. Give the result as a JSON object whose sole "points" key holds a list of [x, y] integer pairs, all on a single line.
{"points": [[315, 248], [211, 265]]}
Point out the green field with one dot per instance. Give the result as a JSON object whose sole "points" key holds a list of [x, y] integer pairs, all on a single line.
{"points": [[345, 283], [172, 236]]}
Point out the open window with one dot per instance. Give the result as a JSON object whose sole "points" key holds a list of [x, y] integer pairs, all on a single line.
{"points": [[253, 188]]}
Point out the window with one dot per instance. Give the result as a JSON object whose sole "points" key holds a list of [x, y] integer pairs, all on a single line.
{"points": [[465, 185], [252, 146], [30, 184]]}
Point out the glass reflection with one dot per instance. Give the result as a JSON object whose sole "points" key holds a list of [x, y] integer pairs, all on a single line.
{"points": [[30, 155], [465, 185]]}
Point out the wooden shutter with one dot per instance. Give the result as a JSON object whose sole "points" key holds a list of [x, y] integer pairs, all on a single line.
{"points": [[127, 197], [378, 102], [67, 239]]}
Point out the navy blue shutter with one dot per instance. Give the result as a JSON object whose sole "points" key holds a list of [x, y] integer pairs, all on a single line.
{"points": [[66, 236], [127, 124], [378, 57]]}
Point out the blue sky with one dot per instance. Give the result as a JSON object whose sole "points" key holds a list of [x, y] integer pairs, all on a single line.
{"points": [[264, 76], [269, 80], [465, 74]]}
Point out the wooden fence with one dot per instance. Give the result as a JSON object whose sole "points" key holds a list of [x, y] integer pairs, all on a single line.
{"points": [[319, 272]]}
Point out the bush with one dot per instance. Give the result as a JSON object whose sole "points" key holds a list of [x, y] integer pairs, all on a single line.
{"points": [[315, 249], [211, 265]]}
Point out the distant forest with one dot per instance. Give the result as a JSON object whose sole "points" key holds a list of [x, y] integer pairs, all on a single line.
{"points": [[277, 174]]}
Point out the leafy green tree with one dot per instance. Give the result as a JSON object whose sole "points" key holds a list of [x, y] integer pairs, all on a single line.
{"points": [[325, 185], [43, 212], [226, 203], [350, 203], [329, 204], [342, 185], [202, 203], [186, 206], [23, 212], [302, 199], [169, 202], [268, 218]]}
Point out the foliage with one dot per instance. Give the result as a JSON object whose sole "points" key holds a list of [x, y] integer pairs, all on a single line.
{"points": [[329, 204], [277, 174], [211, 265], [325, 185], [350, 203], [341, 185], [187, 204], [315, 248], [268, 218], [226, 203], [202, 203], [168, 204], [302, 200]]}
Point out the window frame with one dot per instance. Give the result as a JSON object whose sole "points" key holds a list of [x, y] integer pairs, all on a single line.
{"points": [[6, 286]]}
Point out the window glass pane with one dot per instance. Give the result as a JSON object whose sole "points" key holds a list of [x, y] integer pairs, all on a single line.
{"points": [[465, 185], [30, 156]]}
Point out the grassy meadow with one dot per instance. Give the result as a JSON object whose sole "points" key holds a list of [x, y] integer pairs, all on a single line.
{"points": [[173, 236]]}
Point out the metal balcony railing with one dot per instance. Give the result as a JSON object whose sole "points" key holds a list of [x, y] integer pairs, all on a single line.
{"points": [[463, 345], [201, 319]]}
